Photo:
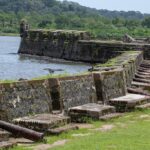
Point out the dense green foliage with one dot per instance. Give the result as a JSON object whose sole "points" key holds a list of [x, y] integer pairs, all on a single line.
{"points": [[69, 15]]}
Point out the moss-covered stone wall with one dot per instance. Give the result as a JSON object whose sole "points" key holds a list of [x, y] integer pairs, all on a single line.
{"points": [[110, 84], [113, 77], [75, 45], [43, 96], [24, 98]]}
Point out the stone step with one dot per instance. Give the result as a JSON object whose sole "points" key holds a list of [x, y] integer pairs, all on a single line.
{"points": [[4, 135], [143, 70], [145, 106], [142, 76], [111, 116], [134, 90], [129, 102], [42, 122], [6, 145], [143, 86], [56, 112], [92, 110], [143, 73], [141, 80]]}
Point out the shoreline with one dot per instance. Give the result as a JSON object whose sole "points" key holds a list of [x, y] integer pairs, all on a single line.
{"points": [[9, 34]]}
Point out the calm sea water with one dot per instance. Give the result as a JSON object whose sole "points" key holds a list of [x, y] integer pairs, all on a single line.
{"points": [[14, 66]]}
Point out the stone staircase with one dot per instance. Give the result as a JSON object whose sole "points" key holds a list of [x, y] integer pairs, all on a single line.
{"points": [[141, 81], [138, 96]]}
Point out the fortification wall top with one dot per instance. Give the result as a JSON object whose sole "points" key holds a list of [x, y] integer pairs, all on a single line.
{"points": [[38, 35]]}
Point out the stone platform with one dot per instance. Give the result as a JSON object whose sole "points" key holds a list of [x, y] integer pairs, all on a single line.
{"points": [[91, 110], [129, 102], [42, 122]]}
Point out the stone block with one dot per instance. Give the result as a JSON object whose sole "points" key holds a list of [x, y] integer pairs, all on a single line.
{"points": [[77, 90], [91, 110], [42, 122], [110, 84], [128, 102]]}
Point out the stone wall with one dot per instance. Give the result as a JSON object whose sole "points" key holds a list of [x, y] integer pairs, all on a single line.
{"points": [[93, 51], [113, 78], [43, 96], [57, 44], [128, 61], [110, 84], [24, 98], [131, 65], [77, 91], [75, 45], [147, 52]]}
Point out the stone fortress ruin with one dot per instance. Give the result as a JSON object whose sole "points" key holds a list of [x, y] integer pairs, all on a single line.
{"points": [[118, 82]]}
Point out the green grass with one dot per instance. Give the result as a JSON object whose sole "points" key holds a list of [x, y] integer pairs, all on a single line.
{"points": [[48, 77], [130, 132], [51, 76], [121, 59], [9, 34], [65, 74], [7, 81]]}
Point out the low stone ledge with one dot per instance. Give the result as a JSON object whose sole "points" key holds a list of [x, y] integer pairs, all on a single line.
{"points": [[129, 102], [93, 111], [42, 122]]}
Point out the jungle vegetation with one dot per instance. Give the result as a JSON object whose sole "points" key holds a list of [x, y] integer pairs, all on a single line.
{"points": [[53, 14]]}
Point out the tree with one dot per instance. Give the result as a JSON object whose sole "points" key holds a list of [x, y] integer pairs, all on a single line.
{"points": [[146, 22]]}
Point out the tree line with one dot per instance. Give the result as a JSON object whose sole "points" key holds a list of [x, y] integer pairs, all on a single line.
{"points": [[52, 14]]}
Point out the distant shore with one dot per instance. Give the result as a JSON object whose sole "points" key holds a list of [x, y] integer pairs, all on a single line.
{"points": [[9, 34]]}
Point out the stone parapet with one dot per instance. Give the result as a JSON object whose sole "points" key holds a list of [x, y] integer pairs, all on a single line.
{"points": [[75, 46]]}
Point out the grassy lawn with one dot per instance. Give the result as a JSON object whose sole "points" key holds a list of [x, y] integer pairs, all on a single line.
{"points": [[130, 132]]}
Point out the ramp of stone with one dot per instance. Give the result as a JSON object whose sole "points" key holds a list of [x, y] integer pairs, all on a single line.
{"points": [[42, 122], [129, 102], [91, 110]]}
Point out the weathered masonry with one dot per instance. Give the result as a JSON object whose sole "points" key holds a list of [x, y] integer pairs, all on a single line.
{"points": [[75, 45], [110, 77], [26, 98], [119, 81]]}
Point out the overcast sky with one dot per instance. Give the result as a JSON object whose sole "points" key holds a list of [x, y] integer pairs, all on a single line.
{"points": [[137, 5]]}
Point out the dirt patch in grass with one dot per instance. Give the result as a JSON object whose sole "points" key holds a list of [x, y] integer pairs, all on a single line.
{"points": [[105, 128], [122, 125], [84, 126], [144, 116], [81, 135], [48, 146]]}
